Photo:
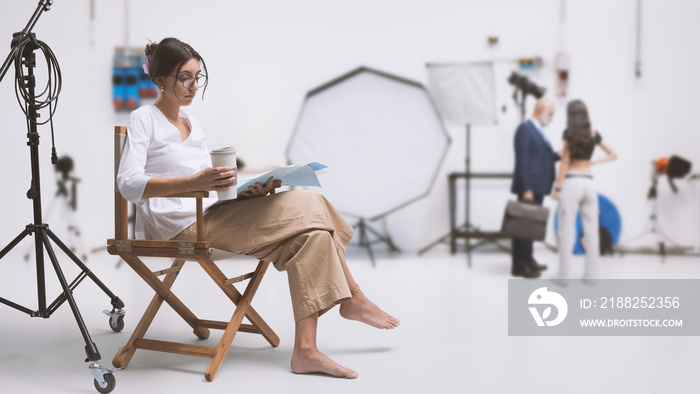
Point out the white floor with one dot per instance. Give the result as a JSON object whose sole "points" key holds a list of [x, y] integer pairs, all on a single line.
{"points": [[452, 339]]}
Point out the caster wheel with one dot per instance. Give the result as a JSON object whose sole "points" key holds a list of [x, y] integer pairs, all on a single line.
{"points": [[110, 383], [118, 326]]}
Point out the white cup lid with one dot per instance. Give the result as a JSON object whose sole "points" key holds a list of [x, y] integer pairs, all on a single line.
{"points": [[223, 151]]}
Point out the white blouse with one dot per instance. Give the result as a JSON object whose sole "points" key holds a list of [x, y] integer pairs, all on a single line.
{"points": [[154, 149]]}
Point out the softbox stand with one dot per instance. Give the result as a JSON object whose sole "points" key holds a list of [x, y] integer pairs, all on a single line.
{"points": [[364, 230], [467, 230], [465, 94], [24, 44]]}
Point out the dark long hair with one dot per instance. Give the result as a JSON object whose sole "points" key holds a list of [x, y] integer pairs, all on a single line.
{"points": [[578, 129], [168, 55]]}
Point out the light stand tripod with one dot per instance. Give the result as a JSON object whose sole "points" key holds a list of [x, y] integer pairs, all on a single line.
{"points": [[467, 230], [67, 199], [364, 241], [652, 227], [22, 54], [466, 95]]}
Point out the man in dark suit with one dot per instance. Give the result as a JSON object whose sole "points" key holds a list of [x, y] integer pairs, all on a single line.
{"points": [[532, 179]]}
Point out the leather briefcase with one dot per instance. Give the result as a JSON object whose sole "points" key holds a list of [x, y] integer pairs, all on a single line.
{"points": [[525, 221]]}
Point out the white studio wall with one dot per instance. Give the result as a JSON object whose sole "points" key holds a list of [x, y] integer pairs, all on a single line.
{"points": [[264, 56]]}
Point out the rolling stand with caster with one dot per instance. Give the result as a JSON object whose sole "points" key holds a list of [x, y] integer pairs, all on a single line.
{"points": [[22, 55]]}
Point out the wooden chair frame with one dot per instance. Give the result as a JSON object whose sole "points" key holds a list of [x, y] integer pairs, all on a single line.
{"points": [[130, 250]]}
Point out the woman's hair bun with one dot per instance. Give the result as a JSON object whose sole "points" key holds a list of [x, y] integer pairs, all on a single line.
{"points": [[150, 48]]}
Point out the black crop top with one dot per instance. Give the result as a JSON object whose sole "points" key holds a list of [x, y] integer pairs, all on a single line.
{"points": [[589, 153]]}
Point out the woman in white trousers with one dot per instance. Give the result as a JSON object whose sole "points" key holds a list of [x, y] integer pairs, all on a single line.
{"points": [[575, 190]]}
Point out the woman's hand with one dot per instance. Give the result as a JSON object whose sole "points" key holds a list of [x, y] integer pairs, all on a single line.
{"points": [[213, 179], [556, 195], [260, 190], [209, 179]]}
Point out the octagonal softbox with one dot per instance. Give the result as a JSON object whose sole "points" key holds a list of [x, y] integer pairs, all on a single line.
{"points": [[380, 136]]}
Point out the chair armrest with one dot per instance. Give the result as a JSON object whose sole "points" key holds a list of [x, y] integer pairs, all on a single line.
{"points": [[199, 212], [190, 194]]}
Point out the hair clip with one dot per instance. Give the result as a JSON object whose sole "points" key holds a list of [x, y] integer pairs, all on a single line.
{"points": [[145, 65]]}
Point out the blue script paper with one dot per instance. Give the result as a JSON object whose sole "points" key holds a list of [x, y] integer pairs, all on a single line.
{"points": [[294, 175]]}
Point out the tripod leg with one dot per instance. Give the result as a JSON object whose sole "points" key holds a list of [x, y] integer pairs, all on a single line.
{"points": [[667, 238], [662, 251], [436, 242], [90, 347], [74, 232], [469, 252], [365, 242], [116, 302], [14, 242], [7, 248], [385, 239]]}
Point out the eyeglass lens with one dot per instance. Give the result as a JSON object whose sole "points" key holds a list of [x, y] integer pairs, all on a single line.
{"points": [[188, 82]]}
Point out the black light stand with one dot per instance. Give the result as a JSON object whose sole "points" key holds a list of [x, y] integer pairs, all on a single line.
{"points": [[24, 44], [364, 241], [467, 231], [665, 244], [523, 88], [67, 199]]}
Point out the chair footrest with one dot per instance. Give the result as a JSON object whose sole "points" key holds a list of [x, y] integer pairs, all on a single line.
{"points": [[238, 279], [175, 347], [167, 270], [220, 325]]}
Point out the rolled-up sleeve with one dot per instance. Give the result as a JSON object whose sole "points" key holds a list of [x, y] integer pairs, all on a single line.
{"points": [[131, 178]]}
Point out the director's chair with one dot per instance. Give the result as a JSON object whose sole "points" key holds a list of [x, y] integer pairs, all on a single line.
{"points": [[131, 251]]}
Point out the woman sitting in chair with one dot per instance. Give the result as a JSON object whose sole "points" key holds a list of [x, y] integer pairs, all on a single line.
{"points": [[299, 232]]}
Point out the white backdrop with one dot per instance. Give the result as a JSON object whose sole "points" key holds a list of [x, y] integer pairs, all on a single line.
{"points": [[263, 57]]}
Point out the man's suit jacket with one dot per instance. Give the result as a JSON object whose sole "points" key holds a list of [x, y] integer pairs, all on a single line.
{"points": [[534, 161]]}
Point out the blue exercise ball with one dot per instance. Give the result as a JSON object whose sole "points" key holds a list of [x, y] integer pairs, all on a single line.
{"points": [[609, 219]]}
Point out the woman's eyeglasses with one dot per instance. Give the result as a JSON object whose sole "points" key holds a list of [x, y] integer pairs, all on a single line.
{"points": [[187, 82]]}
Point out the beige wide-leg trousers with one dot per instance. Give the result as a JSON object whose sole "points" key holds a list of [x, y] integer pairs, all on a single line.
{"points": [[298, 231]]}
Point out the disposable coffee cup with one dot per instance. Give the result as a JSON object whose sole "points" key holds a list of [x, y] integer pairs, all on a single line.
{"points": [[226, 157]]}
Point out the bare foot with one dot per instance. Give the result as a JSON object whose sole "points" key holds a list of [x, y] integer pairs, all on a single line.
{"points": [[311, 361], [360, 308]]}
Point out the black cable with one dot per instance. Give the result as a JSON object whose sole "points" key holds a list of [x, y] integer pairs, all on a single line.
{"points": [[47, 96]]}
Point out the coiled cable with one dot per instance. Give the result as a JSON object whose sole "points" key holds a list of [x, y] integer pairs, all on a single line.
{"points": [[46, 96]]}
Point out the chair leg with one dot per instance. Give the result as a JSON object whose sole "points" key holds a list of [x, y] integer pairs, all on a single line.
{"points": [[124, 354], [255, 319], [201, 327], [168, 296], [242, 307]]}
